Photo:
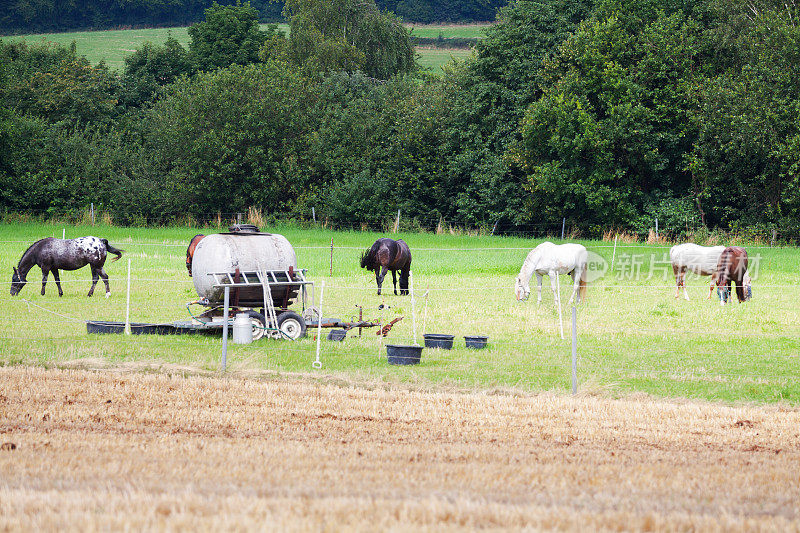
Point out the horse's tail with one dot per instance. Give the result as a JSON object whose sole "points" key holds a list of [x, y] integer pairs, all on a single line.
{"points": [[582, 283], [112, 250]]}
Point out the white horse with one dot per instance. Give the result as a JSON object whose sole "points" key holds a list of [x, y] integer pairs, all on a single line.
{"points": [[553, 260], [701, 260]]}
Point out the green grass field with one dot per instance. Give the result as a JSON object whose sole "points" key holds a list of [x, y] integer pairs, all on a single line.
{"points": [[112, 46], [449, 31], [633, 335]]}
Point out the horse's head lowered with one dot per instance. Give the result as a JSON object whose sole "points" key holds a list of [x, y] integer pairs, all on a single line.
{"points": [[17, 282], [521, 289], [748, 286], [368, 260]]}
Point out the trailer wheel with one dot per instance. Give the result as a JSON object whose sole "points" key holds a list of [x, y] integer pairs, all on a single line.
{"points": [[259, 323], [292, 325]]}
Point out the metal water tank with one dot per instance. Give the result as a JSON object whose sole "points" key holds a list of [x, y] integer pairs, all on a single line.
{"points": [[247, 251]]}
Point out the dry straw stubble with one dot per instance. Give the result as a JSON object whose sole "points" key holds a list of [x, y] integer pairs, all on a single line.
{"points": [[128, 450]]}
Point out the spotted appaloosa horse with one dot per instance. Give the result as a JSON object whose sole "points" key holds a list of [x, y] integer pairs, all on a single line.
{"points": [[732, 268], [52, 255], [389, 254], [190, 251]]}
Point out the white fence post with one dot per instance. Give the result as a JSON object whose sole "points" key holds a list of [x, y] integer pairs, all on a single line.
{"points": [[413, 306], [317, 364], [128, 302], [558, 301], [574, 350], [225, 311]]}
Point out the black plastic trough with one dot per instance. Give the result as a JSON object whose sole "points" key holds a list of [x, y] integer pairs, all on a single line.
{"points": [[438, 340], [398, 354], [139, 328], [476, 341], [337, 335]]}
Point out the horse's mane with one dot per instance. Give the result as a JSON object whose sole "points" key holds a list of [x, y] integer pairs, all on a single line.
{"points": [[368, 260], [531, 257], [26, 252]]}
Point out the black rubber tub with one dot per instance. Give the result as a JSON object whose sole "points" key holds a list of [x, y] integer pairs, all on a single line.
{"points": [[438, 340], [399, 354], [138, 328], [337, 335], [476, 342]]}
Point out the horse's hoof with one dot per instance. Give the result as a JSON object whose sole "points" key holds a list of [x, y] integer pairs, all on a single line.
{"points": [[108, 294]]}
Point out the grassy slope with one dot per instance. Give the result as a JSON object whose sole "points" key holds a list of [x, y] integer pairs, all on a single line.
{"points": [[113, 45], [633, 335]]}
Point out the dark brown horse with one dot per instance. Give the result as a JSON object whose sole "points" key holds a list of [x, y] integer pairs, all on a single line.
{"points": [[52, 255], [732, 268], [388, 254], [190, 251]]}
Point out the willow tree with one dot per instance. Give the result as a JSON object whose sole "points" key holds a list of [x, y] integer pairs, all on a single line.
{"points": [[348, 35]]}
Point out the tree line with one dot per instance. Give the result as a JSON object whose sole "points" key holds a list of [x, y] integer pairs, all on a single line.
{"points": [[606, 113], [25, 16]]}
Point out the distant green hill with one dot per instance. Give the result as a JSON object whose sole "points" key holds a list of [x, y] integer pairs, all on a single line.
{"points": [[23, 16], [112, 46]]}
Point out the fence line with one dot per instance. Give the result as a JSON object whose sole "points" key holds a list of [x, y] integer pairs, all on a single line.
{"points": [[546, 289], [534, 352], [366, 245]]}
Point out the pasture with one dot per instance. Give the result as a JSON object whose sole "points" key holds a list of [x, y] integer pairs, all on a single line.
{"points": [[633, 335], [112, 46]]}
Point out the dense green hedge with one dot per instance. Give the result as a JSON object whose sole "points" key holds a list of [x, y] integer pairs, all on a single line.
{"points": [[608, 115]]}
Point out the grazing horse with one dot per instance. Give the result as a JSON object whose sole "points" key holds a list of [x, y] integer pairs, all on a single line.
{"points": [[389, 254], [190, 251], [732, 268], [64, 254], [553, 260], [701, 260]]}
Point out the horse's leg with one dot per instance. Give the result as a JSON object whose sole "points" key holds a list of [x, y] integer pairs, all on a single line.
{"points": [[576, 280], [58, 281], [676, 271], [404, 281], [739, 291], [95, 277], [683, 284], [105, 280], [394, 281], [379, 275], [711, 285], [725, 294], [45, 272], [539, 288], [554, 286]]}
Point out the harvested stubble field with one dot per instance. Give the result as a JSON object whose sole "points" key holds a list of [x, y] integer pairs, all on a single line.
{"points": [[128, 450]]}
